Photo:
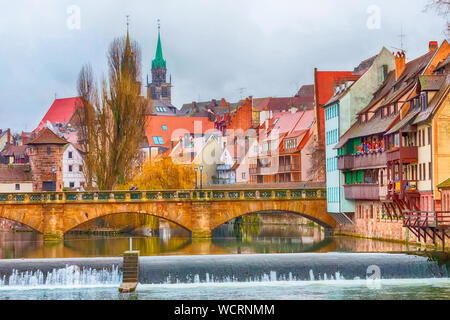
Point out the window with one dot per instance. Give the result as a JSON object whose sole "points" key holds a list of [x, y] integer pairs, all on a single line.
{"points": [[164, 127], [72, 184], [70, 155], [429, 170], [243, 175], [80, 168], [420, 138], [70, 168], [49, 150], [423, 137], [158, 140], [429, 135], [17, 187]]}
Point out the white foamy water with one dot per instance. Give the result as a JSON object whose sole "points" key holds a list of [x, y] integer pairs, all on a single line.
{"points": [[70, 276], [272, 276]]}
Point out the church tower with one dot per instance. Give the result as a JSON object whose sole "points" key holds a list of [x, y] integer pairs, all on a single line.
{"points": [[159, 89]]}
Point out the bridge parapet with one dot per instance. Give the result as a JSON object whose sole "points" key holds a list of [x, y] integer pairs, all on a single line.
{"points": [[164, 195]]}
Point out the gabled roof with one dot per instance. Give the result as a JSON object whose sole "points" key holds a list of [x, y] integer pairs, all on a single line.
{"points": [[12, 150], [437, 100], [47, 136], [61, 111], [443, 64], [445, 184], [392, 89]]}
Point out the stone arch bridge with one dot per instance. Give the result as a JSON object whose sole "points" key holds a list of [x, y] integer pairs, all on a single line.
{"points": [[199, 211]]}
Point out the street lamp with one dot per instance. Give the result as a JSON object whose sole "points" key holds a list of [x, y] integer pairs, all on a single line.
{"points": [[196, 169], [201, 177]]}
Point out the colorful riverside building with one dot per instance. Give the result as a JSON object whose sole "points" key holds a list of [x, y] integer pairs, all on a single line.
{"points": [[282, 152], [350, 95], [393, 157]]}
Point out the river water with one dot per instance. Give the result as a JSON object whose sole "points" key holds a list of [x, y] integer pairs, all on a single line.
{"points": [[239, 262]]}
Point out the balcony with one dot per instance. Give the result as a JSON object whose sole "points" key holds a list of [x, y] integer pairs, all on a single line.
{"points": [[362, 161], [362, 192], [289, 168], [263, 170], [406, 154]]}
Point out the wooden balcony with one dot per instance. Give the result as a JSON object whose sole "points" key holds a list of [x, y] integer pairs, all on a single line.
{"points": [[362, 192], [289, 168], [362, 161], [406, 154]]}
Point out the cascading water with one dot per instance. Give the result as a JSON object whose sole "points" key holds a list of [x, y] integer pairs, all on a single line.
{"points": [[68, 276], [219, 269], [285, 267], [60, 273]]}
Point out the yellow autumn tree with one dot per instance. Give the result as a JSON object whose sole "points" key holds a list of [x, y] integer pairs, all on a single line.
{"points": [[163, 174]]}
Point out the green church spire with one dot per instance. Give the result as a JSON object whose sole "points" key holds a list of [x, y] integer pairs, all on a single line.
{"points": [[159, 60]]}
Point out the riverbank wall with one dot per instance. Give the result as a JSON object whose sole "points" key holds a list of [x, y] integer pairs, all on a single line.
{"points": [[385, 229]]}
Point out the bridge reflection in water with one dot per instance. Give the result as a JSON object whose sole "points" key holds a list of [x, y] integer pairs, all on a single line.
{"points": [[225, 240]]}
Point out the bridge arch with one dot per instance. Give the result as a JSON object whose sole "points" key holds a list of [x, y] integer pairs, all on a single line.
{"points": [[314, 210], [311, 218], [167, 212], [118, 213]]}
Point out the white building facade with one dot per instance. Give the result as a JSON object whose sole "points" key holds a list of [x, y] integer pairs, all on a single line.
{"points": [[73, 176]]}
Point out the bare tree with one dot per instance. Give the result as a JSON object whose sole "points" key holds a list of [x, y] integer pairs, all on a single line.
{"points": [[442, 8], [318, 164], [112, 119]]}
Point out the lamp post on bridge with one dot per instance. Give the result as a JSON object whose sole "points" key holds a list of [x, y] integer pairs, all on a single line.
{"points": [[196, 169], [201, 177]]}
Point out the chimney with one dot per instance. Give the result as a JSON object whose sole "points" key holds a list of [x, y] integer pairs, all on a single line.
{"points": [[433, 45], [400, 62]]}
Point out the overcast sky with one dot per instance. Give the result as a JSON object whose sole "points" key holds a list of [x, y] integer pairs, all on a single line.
{"points": [[213, 48]]}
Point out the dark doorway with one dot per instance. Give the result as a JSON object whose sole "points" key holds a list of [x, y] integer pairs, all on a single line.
{"points": [[49, 186]]}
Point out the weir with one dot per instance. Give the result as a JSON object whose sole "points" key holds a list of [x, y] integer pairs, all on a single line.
{"points": [[218, 269]]}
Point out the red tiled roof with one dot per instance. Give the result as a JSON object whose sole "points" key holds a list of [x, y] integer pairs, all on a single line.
{"points": [[12, 150], [61, 111], [15, 173], [306, 90], [176, 128], [47, 136], [284, 103]]}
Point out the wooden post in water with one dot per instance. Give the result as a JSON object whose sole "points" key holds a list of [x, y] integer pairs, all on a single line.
{"points": [[130, 271]]}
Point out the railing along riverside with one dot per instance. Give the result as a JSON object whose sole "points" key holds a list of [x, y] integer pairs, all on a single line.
{"points": [[426, 219], [165, 195]]}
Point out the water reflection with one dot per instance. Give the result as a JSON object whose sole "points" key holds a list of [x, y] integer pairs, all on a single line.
{"points": [[228, 239]]}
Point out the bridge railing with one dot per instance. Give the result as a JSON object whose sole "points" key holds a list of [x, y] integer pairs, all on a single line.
{"points": [[165, 195]]}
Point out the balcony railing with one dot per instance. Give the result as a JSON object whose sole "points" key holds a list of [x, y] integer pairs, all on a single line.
{"points": [[361, 161], [362, 192], [403, 153], [289, 168]]}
